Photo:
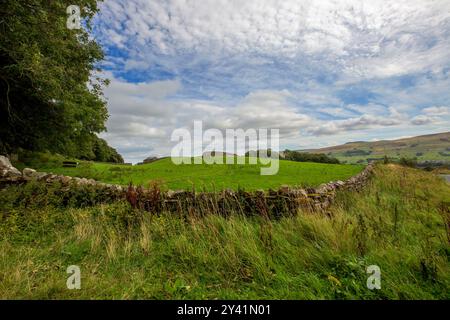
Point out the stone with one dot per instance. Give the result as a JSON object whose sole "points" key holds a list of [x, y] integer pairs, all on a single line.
{"points": [[41, 175], [260, 193], [170, 193], [116, 188], [228, 192], [340, 183], [7, 171], [29, 173], [310, 190], [178, 193], [323, 188], [65, 179], [82, 181], [4, 162], [303, 193], [51, 177]]}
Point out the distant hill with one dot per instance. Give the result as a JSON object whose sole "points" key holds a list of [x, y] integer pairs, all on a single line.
{"points": [[424, 148]]}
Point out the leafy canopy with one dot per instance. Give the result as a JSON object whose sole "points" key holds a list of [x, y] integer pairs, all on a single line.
{"points": [[50, 98]]}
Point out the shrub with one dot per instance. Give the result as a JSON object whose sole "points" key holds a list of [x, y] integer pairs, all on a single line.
{"points": [[356, 152], [309, 157], [408, 162]]}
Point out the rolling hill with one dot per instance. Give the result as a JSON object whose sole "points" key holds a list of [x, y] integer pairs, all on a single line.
{"points": [[424, 148]]}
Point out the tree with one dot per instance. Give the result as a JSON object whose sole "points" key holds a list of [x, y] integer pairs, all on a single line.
{"points": [[308, 157], [103, 152], [49, 96], [408, 162]]}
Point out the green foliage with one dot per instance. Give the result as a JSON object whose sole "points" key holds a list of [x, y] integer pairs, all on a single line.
{"points": [[409, 162], [356, 152], [35, 195], [96, 149], [397, 223], [259, 153], [104, 153], [212, 177], [46, 161], [49, 96], [308, 157], [33, 159]]}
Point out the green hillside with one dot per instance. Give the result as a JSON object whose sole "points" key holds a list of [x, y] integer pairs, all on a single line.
{"points": [[424, 148], [207, 177]]}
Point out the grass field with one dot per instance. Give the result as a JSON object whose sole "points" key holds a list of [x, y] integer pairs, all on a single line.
{"points": [[395, 223], [208, 177]]}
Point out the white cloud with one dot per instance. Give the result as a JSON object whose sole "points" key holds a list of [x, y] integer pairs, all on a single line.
{"points": [[366, 38], [143, 117], [366, 121], [437, 111], [311, 68], [421, 120]]}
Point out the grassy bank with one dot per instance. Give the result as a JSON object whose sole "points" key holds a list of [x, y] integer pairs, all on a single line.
{"points": [[207, 177], [397, 223]]}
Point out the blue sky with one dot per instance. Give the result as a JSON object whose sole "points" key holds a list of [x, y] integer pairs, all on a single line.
{"points": [[323, 72]]}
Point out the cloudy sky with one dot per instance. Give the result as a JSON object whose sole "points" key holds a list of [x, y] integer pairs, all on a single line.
{"points": [[323, 72]]}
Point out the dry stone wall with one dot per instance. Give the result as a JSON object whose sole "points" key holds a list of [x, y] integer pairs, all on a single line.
{"points": [[279, 202], [10, 175], [272, 204]]}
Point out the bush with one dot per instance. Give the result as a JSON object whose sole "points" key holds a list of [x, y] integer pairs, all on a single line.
{"points": [[356, 152], [308, 157], [36, 194], [35, 159], [408, 162]]}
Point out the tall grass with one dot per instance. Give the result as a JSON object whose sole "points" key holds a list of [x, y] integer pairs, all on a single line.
{"points": [[398, 223]]}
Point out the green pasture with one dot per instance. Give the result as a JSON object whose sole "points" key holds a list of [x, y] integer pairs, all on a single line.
{"points": [[209, 176]]}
